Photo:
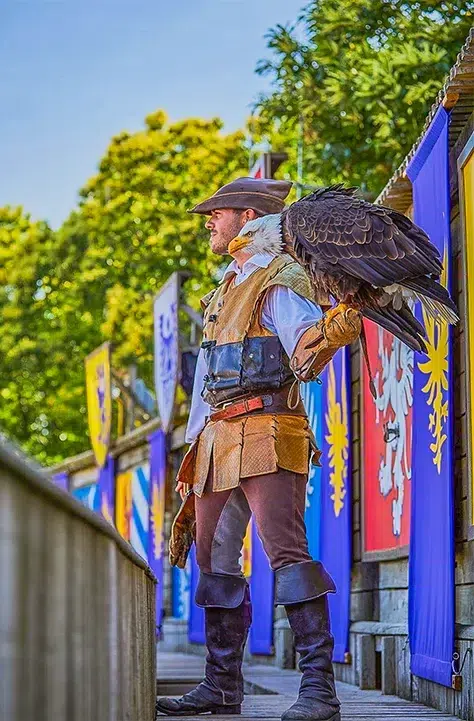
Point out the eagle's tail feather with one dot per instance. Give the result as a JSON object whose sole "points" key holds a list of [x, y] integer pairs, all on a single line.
{"points": [[434, 297], [437, 310], [402, 323]]}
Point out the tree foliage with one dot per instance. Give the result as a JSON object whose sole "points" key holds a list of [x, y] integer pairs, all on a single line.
{"points": [[360, 75], [25, 370], [65, 293]]}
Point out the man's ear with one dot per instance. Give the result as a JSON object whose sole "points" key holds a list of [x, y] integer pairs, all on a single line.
{"points": [[250, 214]]}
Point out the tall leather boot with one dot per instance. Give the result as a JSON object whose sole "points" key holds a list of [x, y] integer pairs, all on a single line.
{"points": [[302, 588], [228, 614]]}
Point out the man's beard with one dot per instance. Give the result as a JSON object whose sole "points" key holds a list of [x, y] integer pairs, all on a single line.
{"points": [[231, 232]]}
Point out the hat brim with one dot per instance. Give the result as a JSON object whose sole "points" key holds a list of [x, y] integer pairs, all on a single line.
{"points": [[260, 202]]}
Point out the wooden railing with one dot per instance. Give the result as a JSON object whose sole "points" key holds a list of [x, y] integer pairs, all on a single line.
{"points": [[77, 608]]}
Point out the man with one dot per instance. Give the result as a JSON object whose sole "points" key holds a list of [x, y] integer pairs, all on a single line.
{"points": [[250, 451]]}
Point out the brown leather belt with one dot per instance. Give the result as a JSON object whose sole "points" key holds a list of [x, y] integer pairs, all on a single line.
{"points": [[266, 403]]}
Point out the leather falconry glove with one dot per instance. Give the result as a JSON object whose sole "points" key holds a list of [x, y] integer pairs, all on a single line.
{"points": [[183, 529], [340, 326], [183, 532]]}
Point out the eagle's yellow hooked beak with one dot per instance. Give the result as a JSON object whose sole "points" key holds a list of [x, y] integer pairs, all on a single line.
{"points": [[237, 244]]}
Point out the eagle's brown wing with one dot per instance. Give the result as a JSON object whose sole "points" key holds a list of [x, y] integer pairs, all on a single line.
{"points": [[353, 249], [332, 228]]}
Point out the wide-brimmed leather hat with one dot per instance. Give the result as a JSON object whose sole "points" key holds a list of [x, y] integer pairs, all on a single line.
{"points": [[261, 194]]}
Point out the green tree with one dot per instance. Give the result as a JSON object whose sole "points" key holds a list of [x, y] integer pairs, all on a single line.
{"points": [[25, 247], [359, 83], [94, 280]]}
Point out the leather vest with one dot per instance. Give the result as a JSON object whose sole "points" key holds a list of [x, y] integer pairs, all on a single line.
{"points": [[243, 357]]}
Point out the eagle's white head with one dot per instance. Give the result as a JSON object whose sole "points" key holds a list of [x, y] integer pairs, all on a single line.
{"points": [[262, 235]]}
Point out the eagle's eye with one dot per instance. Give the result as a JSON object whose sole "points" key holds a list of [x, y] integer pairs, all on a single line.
{"points": [[250, 233]]}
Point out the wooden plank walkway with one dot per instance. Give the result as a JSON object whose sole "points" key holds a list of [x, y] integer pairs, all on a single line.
{"points": [[272, 690]]}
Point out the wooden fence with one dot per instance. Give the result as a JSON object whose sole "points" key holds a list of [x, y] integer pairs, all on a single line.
{"points": [[77, 610]]}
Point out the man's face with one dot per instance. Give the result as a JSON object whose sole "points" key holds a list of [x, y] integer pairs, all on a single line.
{"points": [[225, 225]]}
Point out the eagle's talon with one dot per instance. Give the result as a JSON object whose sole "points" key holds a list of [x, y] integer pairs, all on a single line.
{"points": [[338, 309]]}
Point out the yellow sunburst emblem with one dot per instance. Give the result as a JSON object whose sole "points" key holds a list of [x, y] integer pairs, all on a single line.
{"points": [[338, 440], [157, 518], [436, 368]]}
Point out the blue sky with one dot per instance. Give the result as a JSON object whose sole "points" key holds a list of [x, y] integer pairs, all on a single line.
{"points": [[75, 72]]}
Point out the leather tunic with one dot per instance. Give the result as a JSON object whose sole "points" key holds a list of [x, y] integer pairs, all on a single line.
{"points": [[242, 356], [260, 443]]}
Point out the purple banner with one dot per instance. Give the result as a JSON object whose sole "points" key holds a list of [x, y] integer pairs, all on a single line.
{"points": [[196, 623], [105, 497], [336, 496], [61, 480], [431, 563], [312, 394], [157, 515], [261, 592]]}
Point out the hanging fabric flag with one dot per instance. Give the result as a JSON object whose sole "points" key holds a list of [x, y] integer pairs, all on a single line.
{"points": [[336, 496], [261, 594], [431, 563], [139, 531], [387, 427], [61, 480], [87, 495], [123, 503], [196, 623], [105, 490], [466, 172], [165, 313], [99, 401], [181, 585], [312, 395], [157, 442]]}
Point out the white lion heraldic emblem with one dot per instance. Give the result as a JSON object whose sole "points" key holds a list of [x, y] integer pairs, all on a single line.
{"points": [[394, 392]]}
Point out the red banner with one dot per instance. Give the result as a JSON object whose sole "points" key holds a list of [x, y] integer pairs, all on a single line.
{"points": [[387, 439]]}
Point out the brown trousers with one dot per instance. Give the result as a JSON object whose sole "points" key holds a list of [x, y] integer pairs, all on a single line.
{"points": [[277, 502]]}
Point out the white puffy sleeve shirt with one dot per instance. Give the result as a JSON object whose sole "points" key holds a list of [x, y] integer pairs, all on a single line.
{"points": [[284, 313]]}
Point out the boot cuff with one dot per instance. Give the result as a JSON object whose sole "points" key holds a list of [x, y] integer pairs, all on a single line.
{"points": [[300, 582], [218, 590]]}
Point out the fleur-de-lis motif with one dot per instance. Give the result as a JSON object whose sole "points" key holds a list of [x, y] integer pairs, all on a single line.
{"points": [[338, 440], [436, 368]]}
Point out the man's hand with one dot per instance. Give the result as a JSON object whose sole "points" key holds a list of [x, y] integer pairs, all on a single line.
{"points": [[182, 489], [185, 477]]}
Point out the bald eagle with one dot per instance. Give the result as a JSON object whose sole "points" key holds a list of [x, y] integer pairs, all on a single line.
{"points": [[360, 254]]}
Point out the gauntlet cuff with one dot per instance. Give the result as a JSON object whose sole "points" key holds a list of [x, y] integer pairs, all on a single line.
{"points": [[339, 327]]}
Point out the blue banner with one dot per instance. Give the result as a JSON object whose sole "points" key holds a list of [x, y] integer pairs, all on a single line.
{"points": [[140, 520], [261, 593], [196, 632], [87, 495], [157, 515], [336, 495], [312, 394], [105, 498], [181, 586], [431, 563]]}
